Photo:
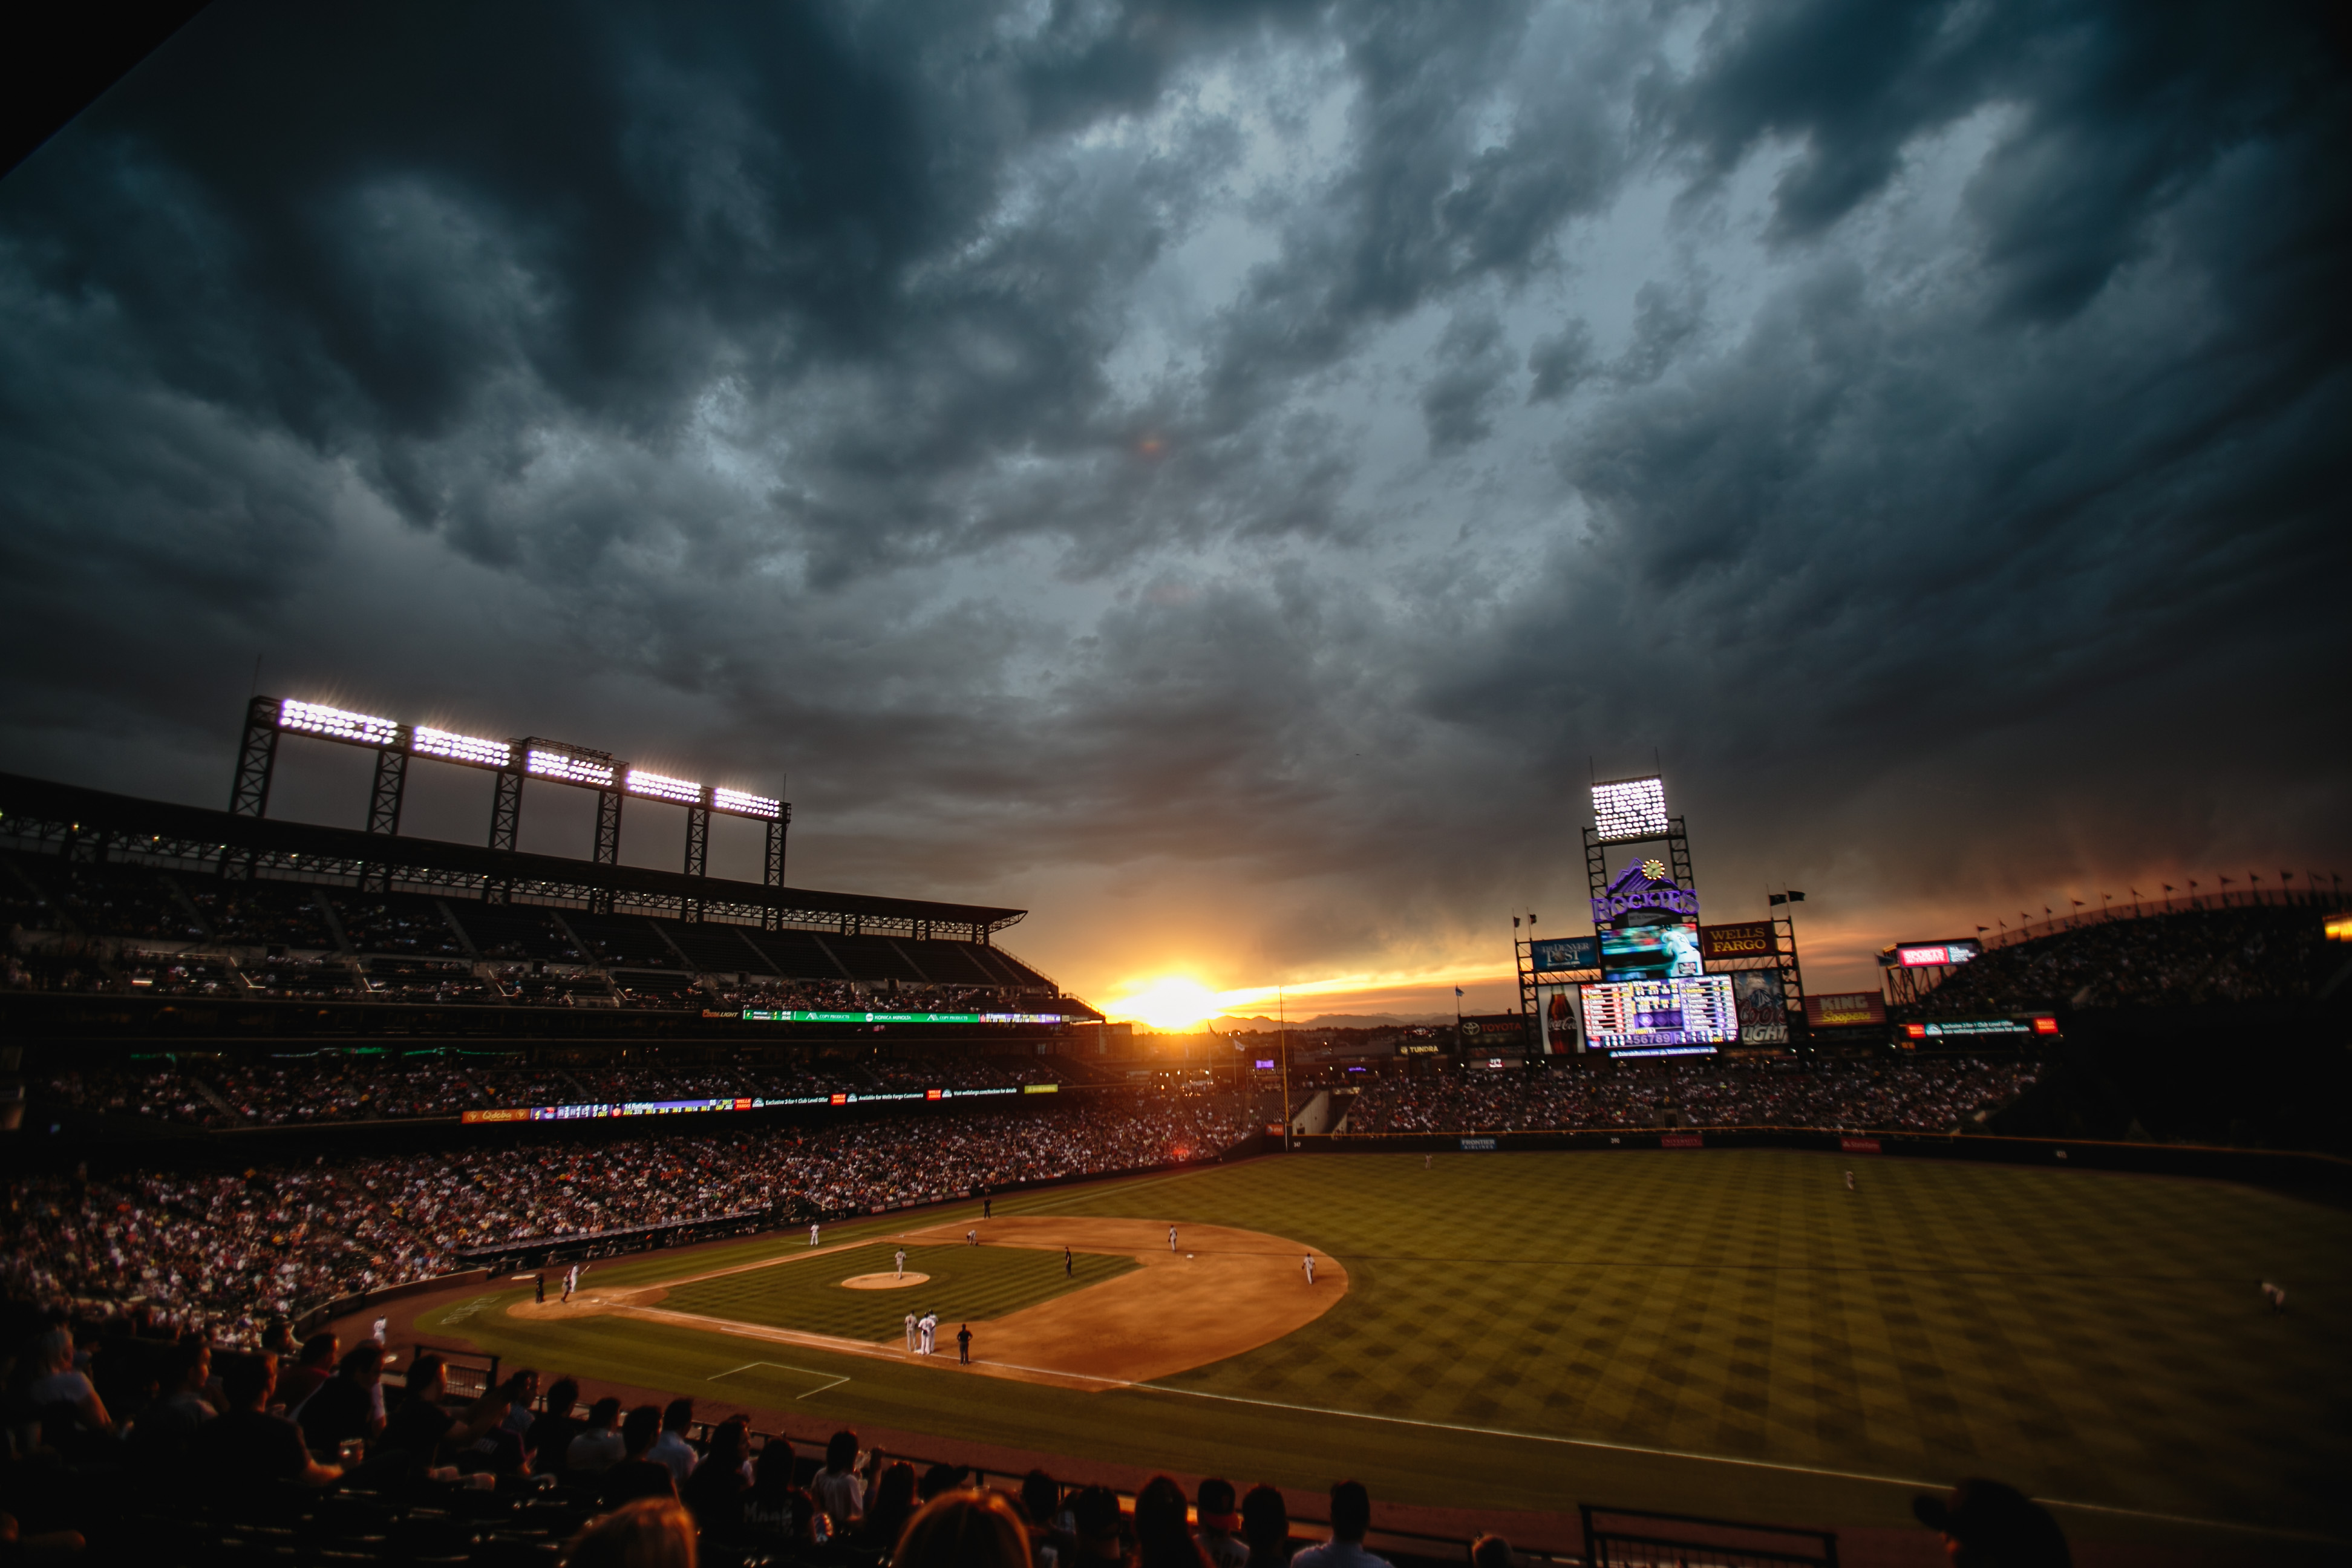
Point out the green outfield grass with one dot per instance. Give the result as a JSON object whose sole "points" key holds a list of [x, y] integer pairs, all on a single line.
{"points": [[1722, 1331], [966, 1283]]}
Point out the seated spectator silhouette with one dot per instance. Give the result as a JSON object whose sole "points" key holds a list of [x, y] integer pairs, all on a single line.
{"points": [[1162, 1537], [636, 1476], [893, 1506], [550, 1433], [298, 1382], [650, 1532], [1986, 1524], [671, 1448], [348, 1404], [245, 1447], [598, 1446], [963, 1529], [1266, 1526], [714, 1492], [1351, 1516], [1221, 1523]]}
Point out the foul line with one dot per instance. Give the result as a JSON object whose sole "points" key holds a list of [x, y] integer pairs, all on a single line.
{"points": [[1711, 1458], [779, 1366]]}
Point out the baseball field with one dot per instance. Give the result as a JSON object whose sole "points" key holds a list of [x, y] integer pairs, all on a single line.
{"points": [[1731, 1332]]}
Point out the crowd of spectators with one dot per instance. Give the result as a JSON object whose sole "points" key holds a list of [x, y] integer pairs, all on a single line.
{"points": [[348, 1086], [2238, 955], [241, 1248], [1926, 1096]]}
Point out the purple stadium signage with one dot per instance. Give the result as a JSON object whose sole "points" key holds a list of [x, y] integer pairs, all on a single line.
{"points": [[1644, 885]]}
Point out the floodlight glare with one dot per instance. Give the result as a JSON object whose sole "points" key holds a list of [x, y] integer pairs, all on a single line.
{"points": [[336, 724], [686, 792], [458, 748], [735, 802], [568, 769], [1626, 810]]}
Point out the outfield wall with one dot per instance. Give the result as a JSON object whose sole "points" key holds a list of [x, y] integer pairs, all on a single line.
{"points": [[2314, 1176]]}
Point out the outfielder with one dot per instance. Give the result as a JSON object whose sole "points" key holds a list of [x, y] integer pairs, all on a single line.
{"points": [[813, 1229], [1849, 1181]]}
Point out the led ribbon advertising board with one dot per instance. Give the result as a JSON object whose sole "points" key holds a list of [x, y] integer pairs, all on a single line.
{"points": [[1932, 954]]}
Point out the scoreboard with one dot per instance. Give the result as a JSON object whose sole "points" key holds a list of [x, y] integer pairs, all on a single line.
{"points": [[1680, 1016]]}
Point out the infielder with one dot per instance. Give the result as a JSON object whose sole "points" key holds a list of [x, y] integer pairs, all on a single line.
{"points": [[972, 1238], [1171, 1239], [910, 1333], [902, 1274], [930, 1330], [1310, 1268], [813, 1229]]}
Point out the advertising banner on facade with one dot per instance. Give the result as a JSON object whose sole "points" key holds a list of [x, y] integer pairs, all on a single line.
{"points": [[1561, 1020], [1564, 954], [1729, 944], [1844, 1010], [1486, 1032], [1762, 1006]]}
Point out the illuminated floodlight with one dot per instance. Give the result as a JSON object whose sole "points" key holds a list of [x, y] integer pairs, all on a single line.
{"points": [[565, 768], [457, 747], [739, 804], [336, 723], [686, 792], [1624, 810]]}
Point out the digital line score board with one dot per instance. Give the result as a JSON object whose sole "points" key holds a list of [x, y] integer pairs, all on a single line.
{"points": [[1678, 1016]]}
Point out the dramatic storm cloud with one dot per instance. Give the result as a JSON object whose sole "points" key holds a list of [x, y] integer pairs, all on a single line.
{"points": [[1226, 475]]}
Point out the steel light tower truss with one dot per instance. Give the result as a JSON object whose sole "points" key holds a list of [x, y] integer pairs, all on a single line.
{"points": [[557, 762]]}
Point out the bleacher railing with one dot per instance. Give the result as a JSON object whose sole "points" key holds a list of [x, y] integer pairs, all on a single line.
{"points": [[2229, 898]]}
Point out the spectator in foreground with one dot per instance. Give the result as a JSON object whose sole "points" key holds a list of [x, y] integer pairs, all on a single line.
{"points": [[671, 1448], [1218, 1522], [937, 1480], [421, 1431], [1162, 1540], [163, 1437], [1093, 1516], [894, 1505], [714, 1492], [598, 1447], [834, 1488], [775, 1509], [245, 1446], [56, 1382], [1351, 1516], [960, 1529], [651, 1532], [348, 1404], [551, 1435], [1490, 1551], [1050, 1541], [1986, 1524], [302, 1380], [1266, 1526], [636, 1476]]}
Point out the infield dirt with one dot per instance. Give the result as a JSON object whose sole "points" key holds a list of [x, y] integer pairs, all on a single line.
{"points": [[1224, 1291]]}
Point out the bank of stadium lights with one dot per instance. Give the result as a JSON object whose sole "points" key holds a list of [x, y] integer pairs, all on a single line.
{"points": [[565, 768], [743, 804], [337, 723], [1628, 810], [656, 786], [457, 747]]}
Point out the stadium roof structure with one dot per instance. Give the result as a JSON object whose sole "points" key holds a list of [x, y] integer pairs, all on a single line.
{"points": [[97, 826]]}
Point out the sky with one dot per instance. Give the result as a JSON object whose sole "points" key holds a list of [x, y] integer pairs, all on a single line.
{"points": [[1225, 478]]}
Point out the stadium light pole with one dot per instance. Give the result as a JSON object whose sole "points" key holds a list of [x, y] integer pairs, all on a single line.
{"points": [[1282, 1038]]}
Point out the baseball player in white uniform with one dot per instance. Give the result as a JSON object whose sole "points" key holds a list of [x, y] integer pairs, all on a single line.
{"points": [[1171, 1239], [571, 1280], [813, 1230], [929, 1327], [972, 1238], [1310, 1268], [910, 1333], [901, 1261]]}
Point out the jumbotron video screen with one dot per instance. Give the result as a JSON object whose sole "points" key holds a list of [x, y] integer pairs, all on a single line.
{"points": [[1673, 1018]]}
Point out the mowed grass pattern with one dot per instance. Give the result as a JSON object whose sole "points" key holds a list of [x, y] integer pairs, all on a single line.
{"points": [[967, 1284], [1529, 1329]]}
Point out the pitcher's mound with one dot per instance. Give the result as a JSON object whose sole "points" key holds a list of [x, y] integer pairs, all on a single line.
{"points": [[882, 1281]]}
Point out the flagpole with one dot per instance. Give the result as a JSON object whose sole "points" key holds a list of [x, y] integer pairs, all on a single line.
{"points": [[1282, 1027]]}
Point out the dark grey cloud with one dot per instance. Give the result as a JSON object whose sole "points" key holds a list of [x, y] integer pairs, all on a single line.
{"points": [[1273, 448]]}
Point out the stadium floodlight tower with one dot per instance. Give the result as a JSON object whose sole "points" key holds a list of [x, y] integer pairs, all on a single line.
{"points": [[529, 757], [1631, 811]]}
